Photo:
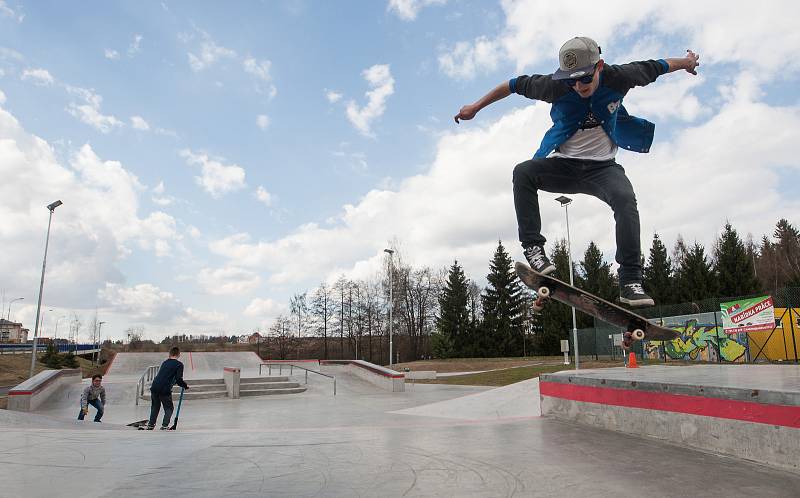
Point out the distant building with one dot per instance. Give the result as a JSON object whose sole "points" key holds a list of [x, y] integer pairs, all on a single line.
{"points": [[255, 338], [12, 332]]}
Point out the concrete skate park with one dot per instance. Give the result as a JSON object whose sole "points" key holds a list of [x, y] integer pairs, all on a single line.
{"points": [[706, 430]]}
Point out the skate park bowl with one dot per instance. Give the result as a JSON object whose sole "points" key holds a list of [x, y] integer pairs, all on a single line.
{"points": [[745, 411], [428, 440]]}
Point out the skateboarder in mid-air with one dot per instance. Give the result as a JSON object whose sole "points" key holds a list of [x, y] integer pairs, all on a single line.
{"points": [[169, 374], [577, 153]]}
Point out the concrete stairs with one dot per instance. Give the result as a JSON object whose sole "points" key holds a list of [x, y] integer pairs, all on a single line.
{"points": [[254, 386]]}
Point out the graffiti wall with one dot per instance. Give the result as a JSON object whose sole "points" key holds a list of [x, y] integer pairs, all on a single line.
{"points": [[701, 340]]}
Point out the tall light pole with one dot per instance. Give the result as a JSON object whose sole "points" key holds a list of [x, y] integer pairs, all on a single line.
{"points": [[52, 207], [8, 317], [565, 202], [55, 332], [391, 302], [99, 331]]}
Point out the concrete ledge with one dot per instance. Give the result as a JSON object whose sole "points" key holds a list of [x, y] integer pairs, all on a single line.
{"points": [[33, 392], [382, 377], [421, 375], [712, 415], [232, 376], [299, 363]]}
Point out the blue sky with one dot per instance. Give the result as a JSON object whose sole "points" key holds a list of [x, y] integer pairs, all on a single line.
{"points": [[215, 158]]}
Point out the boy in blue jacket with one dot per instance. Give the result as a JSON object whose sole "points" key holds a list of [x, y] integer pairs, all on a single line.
{"points": [[576, 155], [169, 374]]}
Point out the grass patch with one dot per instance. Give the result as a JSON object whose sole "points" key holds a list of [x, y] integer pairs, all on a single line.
{"points": [[511, 375]]}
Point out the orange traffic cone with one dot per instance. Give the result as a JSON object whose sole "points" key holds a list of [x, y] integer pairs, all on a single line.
{"points": [[632, 360]]}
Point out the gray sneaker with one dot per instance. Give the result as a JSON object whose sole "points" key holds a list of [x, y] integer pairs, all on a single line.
{"points": [[633, 294], [538, 260]]}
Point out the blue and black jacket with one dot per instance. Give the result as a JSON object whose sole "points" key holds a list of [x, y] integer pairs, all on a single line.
{"points": [[569, 109], [170, 373]]}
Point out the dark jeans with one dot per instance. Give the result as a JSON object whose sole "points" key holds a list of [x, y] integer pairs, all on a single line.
{"points": [[605, 180], [97, 404], [156, 400]]}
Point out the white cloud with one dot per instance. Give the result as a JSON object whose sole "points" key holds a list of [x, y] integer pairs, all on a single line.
{"points": [[209, 54], [144, 302], [217, 178], [99, 225], [136, 45], [259, 69], [39, 77], [228, 280], [160, 198], [193, 232], [138, 123], [262, 121], [265, 308], [465, 60], [407, 10], [332, 96], [205, 318], [6, 11], [723, 36], [89, 111], [2, 98], [263, 196], [111, 54], [379, 78]]}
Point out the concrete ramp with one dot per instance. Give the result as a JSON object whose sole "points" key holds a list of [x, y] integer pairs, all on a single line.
{"points": [[196, 365], [516, 400]]}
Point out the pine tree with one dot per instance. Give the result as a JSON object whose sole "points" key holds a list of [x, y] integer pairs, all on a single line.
{"points": [[596, 276], [732, 266], [556, 318], [787, 239], [657, 273], [453, 323], [502, 307], [695, 279]]}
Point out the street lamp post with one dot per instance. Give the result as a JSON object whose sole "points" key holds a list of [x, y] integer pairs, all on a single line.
{"points": [[391, 302], [8, 317], [565, 202], [97, 352], [52, 207], [55, 332]]}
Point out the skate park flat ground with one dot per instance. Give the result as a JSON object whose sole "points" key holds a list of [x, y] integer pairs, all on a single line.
{"points": [[431, 440]]}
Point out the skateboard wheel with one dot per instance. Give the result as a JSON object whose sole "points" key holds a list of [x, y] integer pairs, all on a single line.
{"points": [[638, 334], [543, 291], [626, 344]]}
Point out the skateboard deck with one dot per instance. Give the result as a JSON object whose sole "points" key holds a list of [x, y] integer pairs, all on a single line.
{"points": [[636, 327]]}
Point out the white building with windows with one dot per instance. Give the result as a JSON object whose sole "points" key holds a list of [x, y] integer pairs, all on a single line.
{"points": [[12, 332]]}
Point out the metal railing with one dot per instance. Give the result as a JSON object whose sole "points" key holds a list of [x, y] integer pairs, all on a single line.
{"points": [[146, 377], [291, 372]]}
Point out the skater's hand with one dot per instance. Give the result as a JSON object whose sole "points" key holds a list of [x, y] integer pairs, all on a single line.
{"points": [[467, 112], [691, 61], [86, 411]]}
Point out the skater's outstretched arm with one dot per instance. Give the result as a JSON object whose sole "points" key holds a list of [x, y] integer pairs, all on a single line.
{"points": [[469, 111], [689, 63]]}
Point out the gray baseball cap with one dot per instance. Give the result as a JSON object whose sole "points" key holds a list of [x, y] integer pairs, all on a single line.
{"points": [[577, 58]]}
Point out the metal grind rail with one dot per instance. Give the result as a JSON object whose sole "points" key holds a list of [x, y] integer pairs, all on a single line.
{"points": [[291, 371], [146, 377]]}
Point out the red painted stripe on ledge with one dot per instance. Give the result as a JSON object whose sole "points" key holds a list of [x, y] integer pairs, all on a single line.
{"points": [[20, 393], [748, 411]]}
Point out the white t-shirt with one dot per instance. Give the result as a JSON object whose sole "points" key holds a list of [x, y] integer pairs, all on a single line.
{"points": [[590, 142]]}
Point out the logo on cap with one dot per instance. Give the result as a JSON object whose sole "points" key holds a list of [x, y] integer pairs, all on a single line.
{"points": [[570, 60]]}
